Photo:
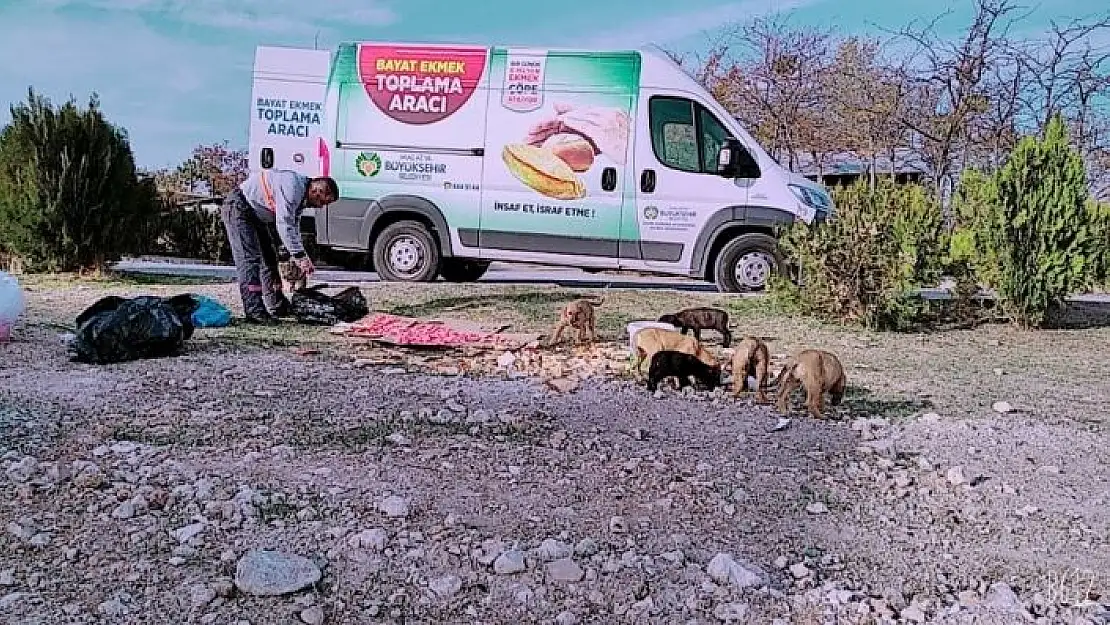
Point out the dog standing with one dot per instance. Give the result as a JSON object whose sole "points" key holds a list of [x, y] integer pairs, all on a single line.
{"points": [[579, 315], [751, 358], [818, 372], [667, 363], [698, 319]]}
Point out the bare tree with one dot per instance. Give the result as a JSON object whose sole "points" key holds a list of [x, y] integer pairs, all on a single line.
{"points": [[771, 76], [953, 102], [1068, 73], [869, 100], [946, 83]]}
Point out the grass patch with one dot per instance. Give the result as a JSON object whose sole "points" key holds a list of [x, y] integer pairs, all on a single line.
{"points": [[536, 309], [530, 304], [111, 280]]}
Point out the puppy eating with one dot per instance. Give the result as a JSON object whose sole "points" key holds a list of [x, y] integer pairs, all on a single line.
{"points": [[650, 341], [667, 364], [698, 319], [751, 358], [818, 372], [579, 315]]}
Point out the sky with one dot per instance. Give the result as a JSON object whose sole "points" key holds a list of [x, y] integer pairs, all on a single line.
{"points": [[177, 73]]}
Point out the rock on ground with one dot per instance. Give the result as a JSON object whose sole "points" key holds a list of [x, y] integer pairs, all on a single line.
{"points": [[264, 573]]}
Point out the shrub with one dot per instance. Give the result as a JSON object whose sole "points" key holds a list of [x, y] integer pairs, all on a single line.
{"points": [[865, 265], [1038, 238], [191, 233], [970, 261], [1099, 213], [70, 198]]}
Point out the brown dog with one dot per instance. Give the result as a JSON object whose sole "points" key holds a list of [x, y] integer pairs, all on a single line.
{"points": [[698, 319], [651, 341], [579, 315], [818, 372], [292, 275], [751, 358]]}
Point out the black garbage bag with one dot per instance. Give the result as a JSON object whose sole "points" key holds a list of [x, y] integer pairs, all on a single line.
{"points": [[314, 307], [115, 329]]}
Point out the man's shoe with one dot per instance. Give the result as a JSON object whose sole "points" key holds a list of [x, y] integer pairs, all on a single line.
{"points": [[282, 309], [279, 306], [264, 319]]}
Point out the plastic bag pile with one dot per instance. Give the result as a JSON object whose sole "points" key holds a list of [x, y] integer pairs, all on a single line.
{"points": [[115, 329], [12, 304], [311, 306]]}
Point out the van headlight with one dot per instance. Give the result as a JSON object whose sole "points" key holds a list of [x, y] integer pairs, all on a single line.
{"points": [[811, 197]]}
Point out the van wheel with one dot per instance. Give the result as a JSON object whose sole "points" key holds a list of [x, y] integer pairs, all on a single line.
{"points": [[463, 270], [747, 262], [406, 252]]}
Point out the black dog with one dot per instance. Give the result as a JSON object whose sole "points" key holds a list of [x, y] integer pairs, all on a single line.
{"points": [[698, 319], [668, 363]]}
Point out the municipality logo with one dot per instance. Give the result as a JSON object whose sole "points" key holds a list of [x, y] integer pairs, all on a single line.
{"points": [[651, 212], [368, 164]]}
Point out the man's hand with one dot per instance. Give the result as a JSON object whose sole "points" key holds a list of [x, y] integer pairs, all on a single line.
{"points": [[305, 263]]}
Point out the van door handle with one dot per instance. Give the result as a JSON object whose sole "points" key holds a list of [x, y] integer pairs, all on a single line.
{"points": [[647, 181], [608, 179]]}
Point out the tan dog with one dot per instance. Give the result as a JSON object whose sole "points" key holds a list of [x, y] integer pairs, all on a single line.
{"points": [[751, 358], [650, 341], [579, 315], [818, 372], [292, 275]]}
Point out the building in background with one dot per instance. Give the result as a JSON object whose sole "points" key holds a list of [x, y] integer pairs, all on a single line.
{"points": [[845, 168]]}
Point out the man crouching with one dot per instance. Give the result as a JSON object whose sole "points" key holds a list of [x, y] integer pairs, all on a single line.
{"points": [[269, 203]]}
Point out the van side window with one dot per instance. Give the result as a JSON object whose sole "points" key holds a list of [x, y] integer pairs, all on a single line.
{"points": [[713, 136], [673, 136], [685, 135]]}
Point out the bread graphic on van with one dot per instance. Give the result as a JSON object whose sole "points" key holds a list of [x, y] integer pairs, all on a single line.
{"points": [[543, 171], [574, 150], [605, 128], [556, 149]]}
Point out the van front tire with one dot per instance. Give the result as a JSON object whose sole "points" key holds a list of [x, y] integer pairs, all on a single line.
{"points": [[406, 252], [746, 263]]}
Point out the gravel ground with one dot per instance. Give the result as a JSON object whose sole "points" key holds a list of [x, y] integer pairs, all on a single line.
{"points": [[142, 492]]}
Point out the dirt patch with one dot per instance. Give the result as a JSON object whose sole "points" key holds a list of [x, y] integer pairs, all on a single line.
{"points": [[918, 503]]}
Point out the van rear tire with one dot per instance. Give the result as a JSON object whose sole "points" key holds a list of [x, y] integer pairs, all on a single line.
{"points": [[406, 252], [463, 269], [746, 263]]}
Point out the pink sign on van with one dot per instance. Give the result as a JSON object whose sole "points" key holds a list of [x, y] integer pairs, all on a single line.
{"points": [[420, 84]]}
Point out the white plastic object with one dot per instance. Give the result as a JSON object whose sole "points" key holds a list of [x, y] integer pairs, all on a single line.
{"points": [[636, 326], [12, 304]]}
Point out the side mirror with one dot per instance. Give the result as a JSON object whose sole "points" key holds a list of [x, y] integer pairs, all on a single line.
{"points": [[734, 161], [267, 158]]}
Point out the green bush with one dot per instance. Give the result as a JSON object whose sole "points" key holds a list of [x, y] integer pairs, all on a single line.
{"points": [[1034, 230], [865, 265], [70, 198], [191, 233], [971, 263], [1099, 213]]}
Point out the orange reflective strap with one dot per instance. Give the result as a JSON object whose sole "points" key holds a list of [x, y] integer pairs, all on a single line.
{"points": [[268, 193]]}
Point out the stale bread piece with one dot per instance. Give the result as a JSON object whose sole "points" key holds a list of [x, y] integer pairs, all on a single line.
{"points": [[542, 170]]}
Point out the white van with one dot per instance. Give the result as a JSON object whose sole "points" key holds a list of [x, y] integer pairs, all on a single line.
{"points": [[449, 157]]}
